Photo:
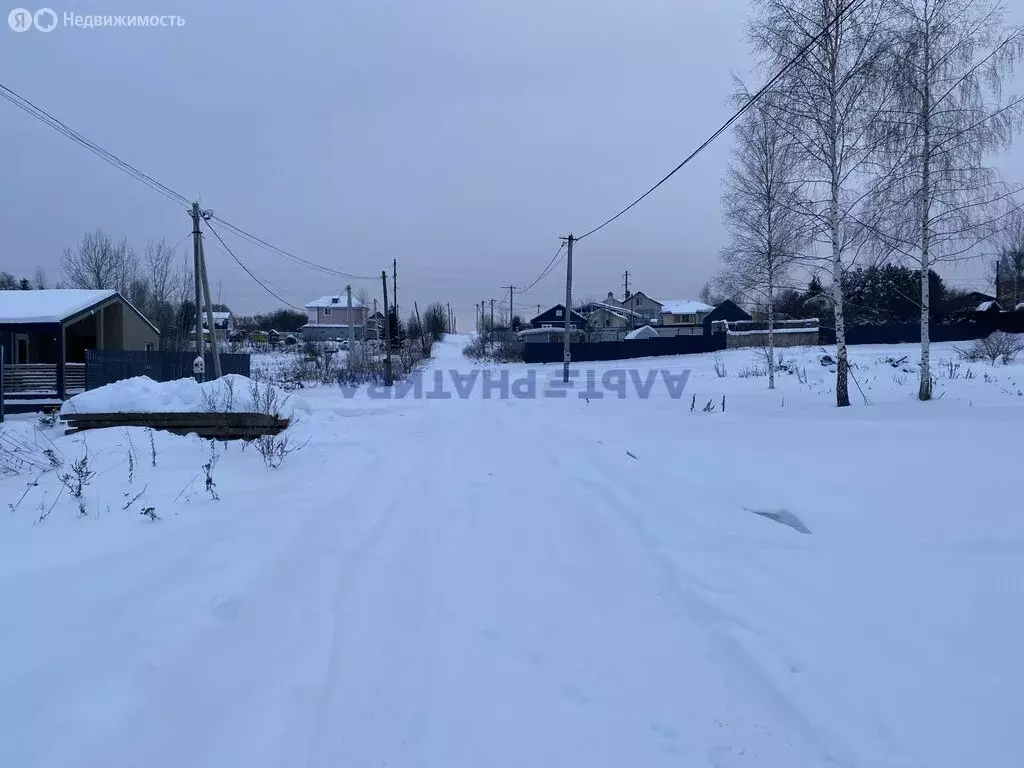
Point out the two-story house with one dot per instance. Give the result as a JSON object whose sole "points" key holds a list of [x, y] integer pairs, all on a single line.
{"points": [[328, 318], [681, 317], [647, 309]]}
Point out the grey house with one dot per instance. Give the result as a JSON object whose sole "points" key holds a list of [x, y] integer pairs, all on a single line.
{"points": [[45, 335], [648, 309]]}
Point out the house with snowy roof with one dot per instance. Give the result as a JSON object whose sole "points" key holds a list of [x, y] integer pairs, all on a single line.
{"points": [[329, 318], [681, 317], [46, 334]]}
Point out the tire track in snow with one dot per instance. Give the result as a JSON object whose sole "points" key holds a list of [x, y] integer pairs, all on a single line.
{"points": [[686, 588]]}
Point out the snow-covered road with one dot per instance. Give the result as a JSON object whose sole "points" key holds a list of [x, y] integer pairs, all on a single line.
{"points": [[488, 582]]}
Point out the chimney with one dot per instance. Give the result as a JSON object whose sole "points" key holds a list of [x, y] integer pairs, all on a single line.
{"points": [[335, 299]]}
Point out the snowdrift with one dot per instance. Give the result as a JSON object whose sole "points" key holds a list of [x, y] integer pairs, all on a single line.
{"points": [[231, 393]]}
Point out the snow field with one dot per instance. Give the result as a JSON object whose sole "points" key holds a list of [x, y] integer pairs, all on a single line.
{"points": [[538, 582]]}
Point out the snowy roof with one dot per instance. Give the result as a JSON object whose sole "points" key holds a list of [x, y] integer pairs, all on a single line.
{"points": [[684, 307], [338, 300], [538, 331], [221, 316], [1019, 307], [985, 306], [645, 332], [48, 306], [613, 308], [330, 325]]}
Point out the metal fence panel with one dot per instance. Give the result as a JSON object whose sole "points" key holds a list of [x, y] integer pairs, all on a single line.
{"points": [[551, 352], [105, 366]]}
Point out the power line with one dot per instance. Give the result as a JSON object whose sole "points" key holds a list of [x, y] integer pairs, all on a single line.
{"points": [[546, 271], [64, 129], [247, 270], [261, 243], [736, 115], [45, 117]]}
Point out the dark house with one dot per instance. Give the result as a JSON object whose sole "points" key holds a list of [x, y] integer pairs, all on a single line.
{"points": [[967, 303], [45, 335], [727, 310], [555, 318]]}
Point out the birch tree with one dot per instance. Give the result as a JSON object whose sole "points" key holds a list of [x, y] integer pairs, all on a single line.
{"points": [[827, 104], [943, 200], [760, 201]]}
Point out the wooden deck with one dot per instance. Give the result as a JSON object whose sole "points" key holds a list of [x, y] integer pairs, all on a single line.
{"points": [[40, 379]]}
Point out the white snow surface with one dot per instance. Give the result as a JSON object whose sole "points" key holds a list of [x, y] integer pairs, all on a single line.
{"points": [[142, 394], [333, 300], [47, 306], [608, 582], [684, 307], [644, 332]]}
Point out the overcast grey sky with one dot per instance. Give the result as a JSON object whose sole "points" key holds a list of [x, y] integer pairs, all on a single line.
{"points": [[461, 138]]}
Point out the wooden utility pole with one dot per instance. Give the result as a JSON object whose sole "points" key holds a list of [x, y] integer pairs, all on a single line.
{"points": [[209, 314], [388, 378], [566, 354], [423, 331], [198, 273], [511, 306], [625, 286], [351, 328], [492, 314], [394, 286]]}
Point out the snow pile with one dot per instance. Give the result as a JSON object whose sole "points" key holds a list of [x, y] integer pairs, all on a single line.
{"points": [[144, 395]]}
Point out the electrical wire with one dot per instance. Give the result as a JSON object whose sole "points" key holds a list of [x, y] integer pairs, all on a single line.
{"points": [[545, 272], [736, 115], [45, 117], [249, 272], [261, 243], [34, 110]]}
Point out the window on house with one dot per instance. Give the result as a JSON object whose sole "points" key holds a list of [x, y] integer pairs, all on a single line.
{"points": [[327, 311], [558, 313], [149, 346]]}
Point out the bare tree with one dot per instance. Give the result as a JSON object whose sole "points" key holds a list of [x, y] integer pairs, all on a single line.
{"points": [[1008, 264], [762, 208], [39, 279], [100, 263], [941, 199], [828, 103], [363, 297]]}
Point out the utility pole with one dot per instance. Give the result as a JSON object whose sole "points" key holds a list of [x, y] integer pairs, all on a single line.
{"points": [[209, 313], [376, 324], [351, 328], [538, 309], [511, 306], [388, 378], [423, 331], [566, 355], [492, 314], [625, 287], [394, 286], [198, 273], [451, 319]]}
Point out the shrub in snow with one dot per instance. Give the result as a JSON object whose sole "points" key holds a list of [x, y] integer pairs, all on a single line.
{"points": [[997, 348], [75, 481], [720, 370]]}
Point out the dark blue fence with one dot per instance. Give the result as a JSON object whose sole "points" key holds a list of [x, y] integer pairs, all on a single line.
{"points": [[105, 366], [551, 352], [910, 333]]}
